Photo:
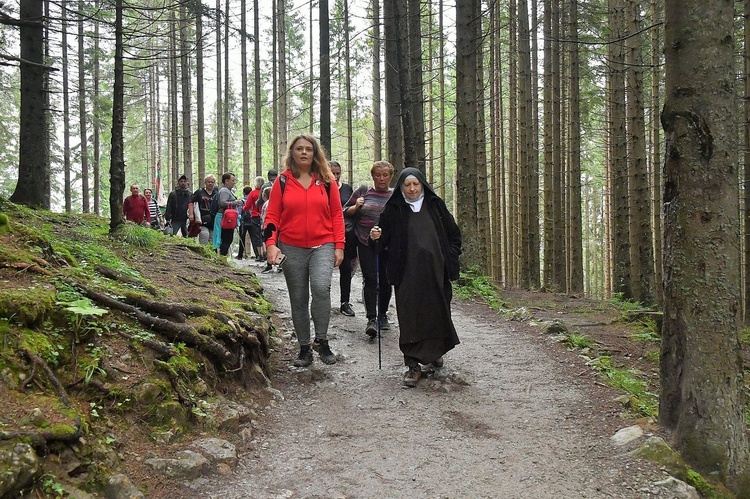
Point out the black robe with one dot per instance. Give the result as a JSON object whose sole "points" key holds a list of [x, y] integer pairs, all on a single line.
{"points": [[423, 249]]}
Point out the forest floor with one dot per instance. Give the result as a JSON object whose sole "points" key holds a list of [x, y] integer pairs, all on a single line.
{"points": [[524, 406], [518, 410]]}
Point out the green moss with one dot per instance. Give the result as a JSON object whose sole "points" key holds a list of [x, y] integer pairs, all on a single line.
{"points": [[49, 348], [4, 224], [63, 431], [28, 307]]}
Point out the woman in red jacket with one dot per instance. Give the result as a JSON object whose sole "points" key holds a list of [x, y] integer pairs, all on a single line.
{"points": [[304, 230]]}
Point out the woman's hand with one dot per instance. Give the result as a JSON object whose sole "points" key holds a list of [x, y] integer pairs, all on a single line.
{"points": [[338, 257], [360, 201], [375, 233], [273, 253]]}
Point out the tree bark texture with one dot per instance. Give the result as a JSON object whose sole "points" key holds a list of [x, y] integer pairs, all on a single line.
{"points": [[117, 156], [33, 187], [702, 389], [467, 51], [325, 79]]}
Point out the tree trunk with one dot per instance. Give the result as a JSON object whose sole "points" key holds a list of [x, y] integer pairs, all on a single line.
{"points": [[97, 119], [575, 225], [394, 138], [414, 134], [282, 82], [174, 128], [187, 95], [256, 71], [325, 79], [33, 187], [66, 110], [702, 389], [219, 99], [618, 158], [245, 100], [349, 101], [467, 52], [225, 116], [656, 157], [82, 112], [199, 96], [377, 120], [548, 148], [641, 240], [117, 156]]}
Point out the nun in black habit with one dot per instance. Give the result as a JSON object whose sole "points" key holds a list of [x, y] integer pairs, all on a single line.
{"points": [[423, 243]]}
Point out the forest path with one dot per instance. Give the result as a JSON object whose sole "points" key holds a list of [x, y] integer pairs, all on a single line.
{"points": [[510, 415]]}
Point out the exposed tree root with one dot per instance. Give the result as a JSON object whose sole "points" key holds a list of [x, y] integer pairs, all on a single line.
{"points": [[23, 267], [178, 311], [53, 379], [40, 439], [118, 276], [156, 346]]}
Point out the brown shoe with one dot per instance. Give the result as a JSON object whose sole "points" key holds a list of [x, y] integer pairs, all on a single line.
{"points": [[412, 376], [438, 362]]}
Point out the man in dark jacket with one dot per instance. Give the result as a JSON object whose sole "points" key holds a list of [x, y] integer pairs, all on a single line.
{"points": [[177, 207]]}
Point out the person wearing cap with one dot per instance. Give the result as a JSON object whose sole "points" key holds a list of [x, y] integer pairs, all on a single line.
{"points": [[176, 214], [423, 243]]}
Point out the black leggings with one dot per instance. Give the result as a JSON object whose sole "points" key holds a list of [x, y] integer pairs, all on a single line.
{"points": [[227, 236], [368, 261]]}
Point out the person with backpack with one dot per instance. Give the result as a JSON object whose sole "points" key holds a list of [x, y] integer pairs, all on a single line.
{"points": [[304, 230], [365, 206], [251, 221], [202, 200], [176, 214], [228, 216]]}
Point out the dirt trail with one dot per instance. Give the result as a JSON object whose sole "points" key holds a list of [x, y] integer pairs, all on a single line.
{"points": [[510, 415]]}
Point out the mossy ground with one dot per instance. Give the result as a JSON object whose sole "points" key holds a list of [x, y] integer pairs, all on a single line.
{"points": [[100, 359]]}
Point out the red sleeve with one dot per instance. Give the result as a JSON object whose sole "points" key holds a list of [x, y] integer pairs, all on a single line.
{"points": [[251, 203], [273, 213], [337, 216]]}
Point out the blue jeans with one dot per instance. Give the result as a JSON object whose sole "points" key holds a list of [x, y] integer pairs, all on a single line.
{"points": [[308, 271]]}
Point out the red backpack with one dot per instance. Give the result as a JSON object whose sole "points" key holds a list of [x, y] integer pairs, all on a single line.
{"points": [[229, 218]]}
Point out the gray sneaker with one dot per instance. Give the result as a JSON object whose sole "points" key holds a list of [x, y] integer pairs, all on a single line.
{"points": [[372, 328], [305, 357]]}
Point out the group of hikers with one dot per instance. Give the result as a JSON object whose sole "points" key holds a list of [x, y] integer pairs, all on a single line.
{"points": [[307, 220]]}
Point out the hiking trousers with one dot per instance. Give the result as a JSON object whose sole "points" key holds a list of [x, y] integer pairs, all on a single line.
{"points": [[308, 271]]}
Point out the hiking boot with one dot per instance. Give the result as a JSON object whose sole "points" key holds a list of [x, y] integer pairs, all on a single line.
{"points": [[372, 328], [268, 269], [325, 353], [305, 356], [412, 376], [346, 309], [438, 362], [385, 324]]}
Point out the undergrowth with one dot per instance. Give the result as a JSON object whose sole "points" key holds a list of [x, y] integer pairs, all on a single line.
{"points": [[473, 284]]}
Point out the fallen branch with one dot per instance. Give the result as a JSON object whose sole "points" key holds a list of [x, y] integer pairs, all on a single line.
{"points": [[39, 439]]}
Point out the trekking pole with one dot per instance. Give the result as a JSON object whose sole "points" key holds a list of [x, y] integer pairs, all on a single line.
{"points": [[377, 305]]}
